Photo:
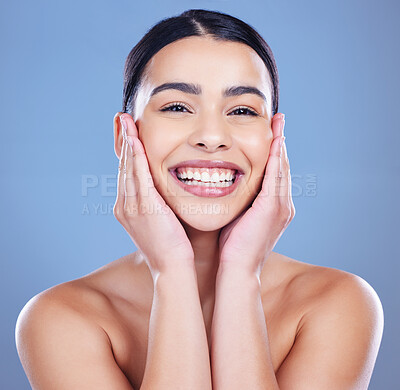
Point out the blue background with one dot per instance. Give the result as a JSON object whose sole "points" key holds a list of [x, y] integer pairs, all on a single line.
{"points": [[61, 84]]}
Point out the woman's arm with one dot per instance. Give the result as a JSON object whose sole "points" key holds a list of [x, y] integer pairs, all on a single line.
{"points": [[240, 352], [335, 348], [178, 356]]}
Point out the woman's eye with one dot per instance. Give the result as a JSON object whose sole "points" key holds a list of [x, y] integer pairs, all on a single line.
{"points": [[179, 107], [244, 111], [175, 107]]}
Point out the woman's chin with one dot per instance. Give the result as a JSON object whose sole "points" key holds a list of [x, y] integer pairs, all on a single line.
{"points": [[202, 225], [203, 217]]}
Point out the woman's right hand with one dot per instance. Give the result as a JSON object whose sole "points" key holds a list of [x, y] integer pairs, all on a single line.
{"points": [[144, 214]]}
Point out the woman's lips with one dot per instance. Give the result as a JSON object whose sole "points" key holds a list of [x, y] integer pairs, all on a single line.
{"points": [[198, 163], [204, 191]]}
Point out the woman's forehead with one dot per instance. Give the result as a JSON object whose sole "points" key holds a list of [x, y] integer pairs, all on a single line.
{"points": [[207, 61]]}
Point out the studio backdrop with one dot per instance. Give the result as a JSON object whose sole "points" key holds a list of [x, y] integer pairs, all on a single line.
{"points": [[61, 85]]}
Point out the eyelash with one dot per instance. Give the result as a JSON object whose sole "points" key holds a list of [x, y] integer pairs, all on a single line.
{"points": [[251, 112]]}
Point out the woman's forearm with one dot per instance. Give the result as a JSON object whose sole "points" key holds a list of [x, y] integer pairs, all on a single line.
{"points": [[240, 348], [178, 355]]}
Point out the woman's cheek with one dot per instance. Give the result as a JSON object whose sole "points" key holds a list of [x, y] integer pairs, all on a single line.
{"points": [[257, 151], [257, 145]]}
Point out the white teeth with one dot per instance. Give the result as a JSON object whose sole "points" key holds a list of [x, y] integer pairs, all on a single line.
{"points": [[205, 177], [197, 176], [209, 184], [215, 177]]}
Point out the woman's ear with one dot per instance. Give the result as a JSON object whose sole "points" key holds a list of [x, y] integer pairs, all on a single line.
{"points": [[118, 137]]}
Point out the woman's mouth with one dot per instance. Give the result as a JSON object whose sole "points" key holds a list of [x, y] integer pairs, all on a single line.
{"points": [[207, 182]]}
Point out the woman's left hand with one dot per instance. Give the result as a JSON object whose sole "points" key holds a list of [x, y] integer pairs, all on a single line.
{"points": [[247, 241]]}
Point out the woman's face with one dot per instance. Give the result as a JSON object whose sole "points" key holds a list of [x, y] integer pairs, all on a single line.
{"points": [[208, 125]]}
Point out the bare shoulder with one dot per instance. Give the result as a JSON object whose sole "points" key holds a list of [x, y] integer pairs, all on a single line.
{"points": [[60, 331], [330, 287], [339, 332], [90, 298], [320, 285], [347, 300], [74, 298]]}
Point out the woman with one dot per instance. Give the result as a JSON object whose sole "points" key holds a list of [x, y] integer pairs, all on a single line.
{"points": [[204, 192]]}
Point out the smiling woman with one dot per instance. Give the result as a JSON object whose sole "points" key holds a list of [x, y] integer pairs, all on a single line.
{"points": [[204, 192]]}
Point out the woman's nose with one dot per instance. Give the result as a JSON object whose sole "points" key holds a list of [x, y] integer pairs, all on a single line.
{"points": [[211, 134]]}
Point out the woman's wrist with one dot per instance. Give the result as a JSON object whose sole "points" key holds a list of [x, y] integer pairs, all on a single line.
{"points": [[233, 275], [176, 271], [236, 270]]}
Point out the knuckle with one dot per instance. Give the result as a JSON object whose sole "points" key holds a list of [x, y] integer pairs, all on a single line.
{"points": [[118, 213], [284, 215], [130, 209], [293, 211], [291, 215]]}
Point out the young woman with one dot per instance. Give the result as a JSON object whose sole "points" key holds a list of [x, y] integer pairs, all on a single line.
{"points": [[204, 191]]}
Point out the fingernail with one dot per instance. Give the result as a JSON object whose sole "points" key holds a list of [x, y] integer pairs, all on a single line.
{"points": [[123, 124]]}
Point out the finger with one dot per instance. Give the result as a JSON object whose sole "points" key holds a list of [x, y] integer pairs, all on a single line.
{"points": [[130, 182], [138, 164], [273, 174], [131, 185], [281, 186], [273, 170], [289, 198], [285, 181], [144, 180], [277, 124], [120, 200], [285, 162], [282, 180], [131, 129]]}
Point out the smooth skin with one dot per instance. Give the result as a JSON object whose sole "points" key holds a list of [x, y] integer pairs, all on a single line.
{"points": [[204, 302]]}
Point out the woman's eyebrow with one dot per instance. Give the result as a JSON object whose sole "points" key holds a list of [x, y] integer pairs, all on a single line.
{"points": [[195, 89]]}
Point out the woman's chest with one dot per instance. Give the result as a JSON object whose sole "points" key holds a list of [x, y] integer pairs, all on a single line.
{"points": [[129, 336]]}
